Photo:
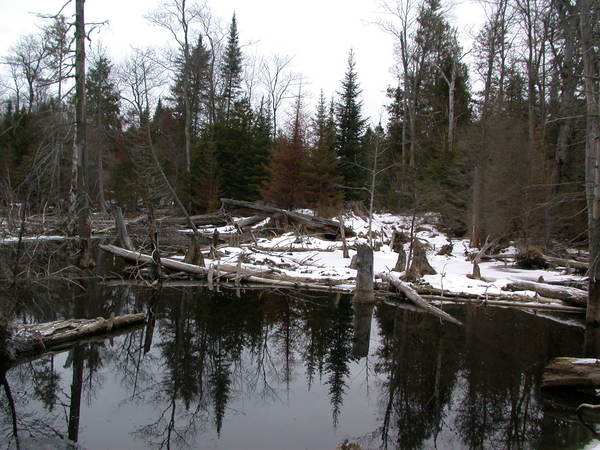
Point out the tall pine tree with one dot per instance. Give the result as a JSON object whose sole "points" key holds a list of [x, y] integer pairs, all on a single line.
{"points": [[322, 171], [350, 129], [231, 71]]}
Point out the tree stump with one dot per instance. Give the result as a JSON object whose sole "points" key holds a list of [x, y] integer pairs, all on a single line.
{"points": [[401, 261], [419, 265], [364, 275]]}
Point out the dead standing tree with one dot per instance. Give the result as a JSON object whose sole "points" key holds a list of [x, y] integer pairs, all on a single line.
{"points": [[79, 198]]}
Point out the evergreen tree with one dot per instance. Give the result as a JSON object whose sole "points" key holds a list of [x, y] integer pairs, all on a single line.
{"points": [[322, 171], [241, 151], [102, 103], [350, 128], [196, 72], [287, 182], [231, 70]]}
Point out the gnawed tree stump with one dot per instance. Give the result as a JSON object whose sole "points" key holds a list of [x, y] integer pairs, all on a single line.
{"points": [[577, 297], [575, 373], [419, 265], [401, 261]]}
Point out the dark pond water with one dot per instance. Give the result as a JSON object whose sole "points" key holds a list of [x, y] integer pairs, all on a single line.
{"points": [[276, 370]]}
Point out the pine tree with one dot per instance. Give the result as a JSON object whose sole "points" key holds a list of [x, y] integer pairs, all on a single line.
{"points": [[231, 71], [102, 103], [322, 170], [350, 128]]}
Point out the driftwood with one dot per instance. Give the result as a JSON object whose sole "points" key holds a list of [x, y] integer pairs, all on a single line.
{"points": [[412, 295], [40, 338], [575, 373], [571, 295], [312, 222]]}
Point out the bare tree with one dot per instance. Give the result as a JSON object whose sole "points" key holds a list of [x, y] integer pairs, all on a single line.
{"points": [[179, 18], [26, 61], [81, 201], [278, 79]]}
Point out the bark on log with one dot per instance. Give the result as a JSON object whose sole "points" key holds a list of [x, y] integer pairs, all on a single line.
{"points": [[576, 373], [412, 295], [37, 338], [571, 295]]}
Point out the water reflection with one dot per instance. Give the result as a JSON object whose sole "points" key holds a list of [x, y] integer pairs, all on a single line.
{"points": [[274, 370]]}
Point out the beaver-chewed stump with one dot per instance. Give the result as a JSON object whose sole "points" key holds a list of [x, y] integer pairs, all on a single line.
{"points": [[574, 373]]}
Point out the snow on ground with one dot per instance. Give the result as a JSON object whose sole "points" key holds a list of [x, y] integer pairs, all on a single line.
{"points": [[324, 259]]}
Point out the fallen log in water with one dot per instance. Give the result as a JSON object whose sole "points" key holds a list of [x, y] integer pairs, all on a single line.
{"points": [[571, 295], [43, 337], [412, 295], [530, 304], [576, 373]]}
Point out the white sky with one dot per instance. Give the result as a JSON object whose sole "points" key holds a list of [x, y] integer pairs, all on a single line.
{"points": [[318, 33]]}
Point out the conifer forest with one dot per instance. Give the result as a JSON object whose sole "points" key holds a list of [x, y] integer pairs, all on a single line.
{"points": [[487, 150]]}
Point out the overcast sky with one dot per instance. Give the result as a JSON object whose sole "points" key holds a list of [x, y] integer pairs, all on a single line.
{"points": [[318, 33]]}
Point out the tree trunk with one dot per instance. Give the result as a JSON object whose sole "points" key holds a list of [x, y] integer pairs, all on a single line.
{"points": [[83, 208], [587, 18], [364, 275]]}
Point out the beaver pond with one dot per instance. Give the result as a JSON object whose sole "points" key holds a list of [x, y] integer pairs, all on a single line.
{"points": [[282, 369]]}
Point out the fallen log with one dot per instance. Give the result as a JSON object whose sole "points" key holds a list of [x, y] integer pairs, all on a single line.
{"points": [[511, 303], [40, 338], [223, 270], [412, 295], [571, 295], [551, 260], [575, 373], [313, 222], [217, 219]]}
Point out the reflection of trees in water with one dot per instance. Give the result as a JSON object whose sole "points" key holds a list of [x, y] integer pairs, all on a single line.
{"points": [[419, 367], [484, 392], [204, 350]]}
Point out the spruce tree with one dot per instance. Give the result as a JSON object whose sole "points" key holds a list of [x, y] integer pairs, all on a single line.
{"points": [[350, 129], [322, 170], [231, 71]]}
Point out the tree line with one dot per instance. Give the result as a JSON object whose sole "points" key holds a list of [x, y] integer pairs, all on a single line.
{"points": [[499, 138]]}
